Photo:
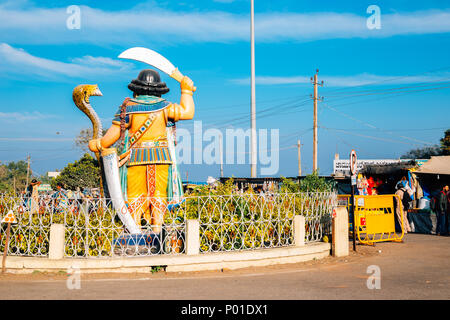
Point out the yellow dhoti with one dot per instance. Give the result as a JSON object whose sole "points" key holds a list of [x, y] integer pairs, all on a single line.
{"points": [[147, 193]]}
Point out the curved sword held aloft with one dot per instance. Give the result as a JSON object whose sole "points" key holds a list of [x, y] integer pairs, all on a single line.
{"points": [[154, 59]]}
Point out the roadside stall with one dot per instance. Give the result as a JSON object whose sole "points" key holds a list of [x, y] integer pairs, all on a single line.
{"points": [[384, 194], [382, 179], [431, 177]]}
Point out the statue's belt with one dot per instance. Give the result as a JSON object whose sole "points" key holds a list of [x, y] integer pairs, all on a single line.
{"points": [[153, 155], [151, 144]]}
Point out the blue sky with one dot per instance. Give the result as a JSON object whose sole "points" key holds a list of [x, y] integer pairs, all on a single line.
{"points": [[385, 92]]}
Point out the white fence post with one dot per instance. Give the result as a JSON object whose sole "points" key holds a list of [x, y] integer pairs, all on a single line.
{"points": [[192, 236], [56, 245], [299, 230], [339, 243]]}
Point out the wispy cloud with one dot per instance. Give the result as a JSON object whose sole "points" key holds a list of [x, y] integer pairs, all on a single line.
{"points": [[225, 1], [34, 139], [45, 25], [344, 81], [15, 117], [18, 60]]}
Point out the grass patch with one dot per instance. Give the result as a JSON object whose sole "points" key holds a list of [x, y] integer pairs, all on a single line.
{"points": [[155, 269]]}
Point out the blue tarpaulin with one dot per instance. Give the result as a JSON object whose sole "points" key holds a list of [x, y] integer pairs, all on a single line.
{"points": [[423, 221]]}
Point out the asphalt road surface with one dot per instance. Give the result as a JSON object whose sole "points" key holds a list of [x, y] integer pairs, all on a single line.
{"points": [[418, 268]]}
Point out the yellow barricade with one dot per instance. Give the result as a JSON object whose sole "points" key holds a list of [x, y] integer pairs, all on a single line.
{"points": [[343, 200], [375, 218]]}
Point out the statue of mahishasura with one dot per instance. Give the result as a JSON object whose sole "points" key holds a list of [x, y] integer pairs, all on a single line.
{"points": [[142, 177]]}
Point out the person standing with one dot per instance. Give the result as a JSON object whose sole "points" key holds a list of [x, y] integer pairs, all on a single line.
{"points": [[402, 209], [61, 199], [33, 196], [448, 211], [441, 210]]}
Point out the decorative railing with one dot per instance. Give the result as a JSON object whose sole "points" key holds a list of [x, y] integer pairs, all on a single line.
{"points": [[251, 221], [227, 223]]}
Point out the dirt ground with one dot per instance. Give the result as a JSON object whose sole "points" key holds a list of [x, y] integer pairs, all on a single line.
{"points": [[416, 269]]}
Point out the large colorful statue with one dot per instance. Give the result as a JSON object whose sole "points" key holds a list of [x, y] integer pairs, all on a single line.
{"points": [[144, 126]]}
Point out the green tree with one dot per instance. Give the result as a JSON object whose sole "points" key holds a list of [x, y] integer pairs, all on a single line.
{"points": [[45, 179], [13, 174], [84, 173], [428, 152], [445, 143], [82, 140], [422, 153]]}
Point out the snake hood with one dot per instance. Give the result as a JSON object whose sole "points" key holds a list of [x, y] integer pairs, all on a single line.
{"points": [[81, 95]]}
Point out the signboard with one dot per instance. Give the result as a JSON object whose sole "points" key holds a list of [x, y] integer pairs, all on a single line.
{"points": [[353, 180], [44, 187], [53, 174], [360, 202], [342, 167], [9, 218]]}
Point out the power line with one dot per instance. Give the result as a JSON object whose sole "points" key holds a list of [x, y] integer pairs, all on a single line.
{"points": [[381, 98], [365, 129], [372, 126], [260, 102], [388, 90], [347, 143], [265, 113], [369, 137], [392, 92], [291, 100], [392, 79]]}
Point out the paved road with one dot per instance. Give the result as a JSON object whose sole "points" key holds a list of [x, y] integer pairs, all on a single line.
{"points": [[419, 268]]}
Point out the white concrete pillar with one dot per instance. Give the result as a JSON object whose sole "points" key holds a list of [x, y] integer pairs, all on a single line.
{"points": [[299, 230], [339, 243], [56, 246], [192, 237]]}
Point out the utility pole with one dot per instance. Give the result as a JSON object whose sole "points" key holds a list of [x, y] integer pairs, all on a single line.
{"points": [[315, 99], [221, 156], [253, 101], [299, 159]]}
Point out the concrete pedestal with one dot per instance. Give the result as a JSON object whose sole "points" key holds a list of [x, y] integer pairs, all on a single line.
{"points": [[56, 245], [339, 247]]}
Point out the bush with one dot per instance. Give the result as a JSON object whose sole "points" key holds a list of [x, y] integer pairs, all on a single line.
{"points": [[311, 183]]}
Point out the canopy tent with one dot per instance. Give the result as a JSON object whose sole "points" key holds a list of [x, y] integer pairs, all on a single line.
{"points": [[436, 165], [388, 169]]}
